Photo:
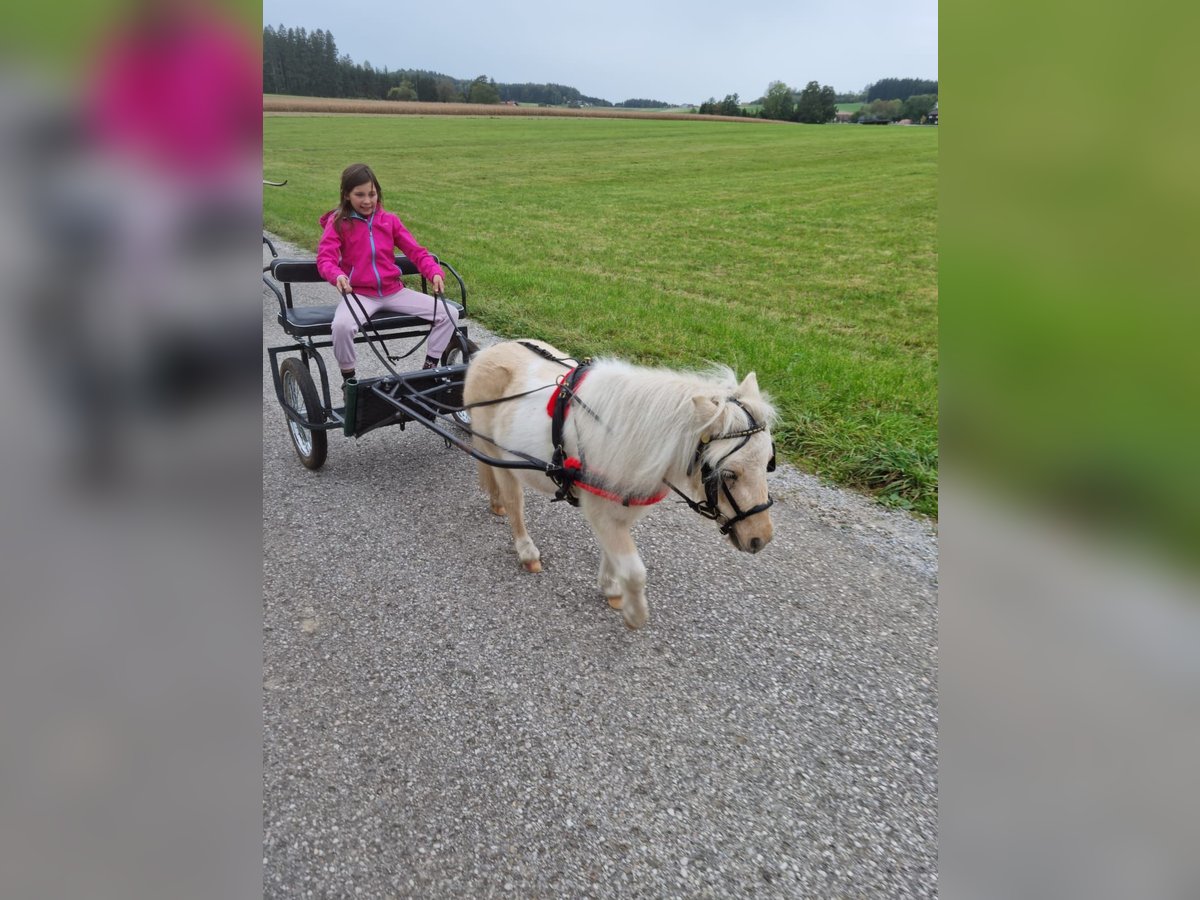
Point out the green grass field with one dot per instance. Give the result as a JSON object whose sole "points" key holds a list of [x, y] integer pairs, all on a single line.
{"points": [[805, 253]]}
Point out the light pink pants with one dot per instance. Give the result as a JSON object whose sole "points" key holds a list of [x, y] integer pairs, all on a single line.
{"points": [[408, 302]]}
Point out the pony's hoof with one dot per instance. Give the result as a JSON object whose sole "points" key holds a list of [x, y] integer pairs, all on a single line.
{"points": [[498, 510], [633, 621], [616, 602], [534, 565]]}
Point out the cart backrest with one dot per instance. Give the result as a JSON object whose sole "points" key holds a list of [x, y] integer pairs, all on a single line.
{"points": [[296, 271], [283, 273]]}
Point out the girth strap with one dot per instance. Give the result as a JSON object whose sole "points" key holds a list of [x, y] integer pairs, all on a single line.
{"points": [[558, 408]]}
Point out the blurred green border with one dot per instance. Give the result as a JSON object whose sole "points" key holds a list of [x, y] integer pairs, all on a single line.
{"points": [[62, 36], [1070, 314]]}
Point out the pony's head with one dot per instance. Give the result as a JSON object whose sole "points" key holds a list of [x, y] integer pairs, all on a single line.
{"points": [[731, 463]]}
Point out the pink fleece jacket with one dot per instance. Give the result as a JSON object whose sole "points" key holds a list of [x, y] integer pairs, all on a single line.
{"points": [[364, 251]]}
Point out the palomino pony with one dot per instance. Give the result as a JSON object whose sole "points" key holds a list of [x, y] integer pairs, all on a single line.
{"points": [[621, 437]]}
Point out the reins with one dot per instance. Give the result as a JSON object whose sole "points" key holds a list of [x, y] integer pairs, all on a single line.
{"points": [[567, 472], [367, 320]]}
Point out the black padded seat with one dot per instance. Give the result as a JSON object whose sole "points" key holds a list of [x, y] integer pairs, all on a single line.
{"points": [[306, 321]]}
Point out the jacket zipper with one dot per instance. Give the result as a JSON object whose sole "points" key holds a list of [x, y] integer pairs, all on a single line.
{"points": [[371, 237]]}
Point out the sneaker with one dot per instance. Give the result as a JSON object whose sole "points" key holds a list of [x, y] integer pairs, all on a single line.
{"points": [[430, 363]]}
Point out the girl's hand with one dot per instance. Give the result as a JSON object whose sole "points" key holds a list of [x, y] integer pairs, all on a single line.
{"points": [[343, 284], [439, 286]]}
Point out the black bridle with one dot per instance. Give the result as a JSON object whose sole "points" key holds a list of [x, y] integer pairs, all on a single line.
{"points": [[710, 475]]}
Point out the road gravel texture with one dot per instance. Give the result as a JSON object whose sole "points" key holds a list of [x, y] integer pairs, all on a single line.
{"points": [[439, 723]]}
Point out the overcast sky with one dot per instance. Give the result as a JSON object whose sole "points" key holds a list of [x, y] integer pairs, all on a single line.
{"points": [[678, 51]]}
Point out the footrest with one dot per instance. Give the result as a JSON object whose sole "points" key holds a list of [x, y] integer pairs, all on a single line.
{"points": [[366, 410]]}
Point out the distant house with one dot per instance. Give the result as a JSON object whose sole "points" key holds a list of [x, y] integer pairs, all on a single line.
{"points": [[511, 103], [843, 116], [931, 118]]}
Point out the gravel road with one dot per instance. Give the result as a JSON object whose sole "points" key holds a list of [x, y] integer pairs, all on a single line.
{"points": [[439, 723]]}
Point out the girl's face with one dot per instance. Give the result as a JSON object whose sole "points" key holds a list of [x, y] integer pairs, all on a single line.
{"points": [[363, 198]]}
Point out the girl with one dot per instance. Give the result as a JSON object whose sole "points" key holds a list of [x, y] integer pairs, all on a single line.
{"points": [[357, 253]]}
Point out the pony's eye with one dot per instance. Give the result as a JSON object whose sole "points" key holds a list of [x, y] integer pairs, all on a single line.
{"points": [[729, 476]]}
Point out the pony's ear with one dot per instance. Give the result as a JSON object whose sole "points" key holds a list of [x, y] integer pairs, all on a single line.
{"points": [[749, 386], [706, 408]]}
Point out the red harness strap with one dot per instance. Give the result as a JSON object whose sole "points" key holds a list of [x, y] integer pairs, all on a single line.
{"points": [[575, 464], [563, 379]]}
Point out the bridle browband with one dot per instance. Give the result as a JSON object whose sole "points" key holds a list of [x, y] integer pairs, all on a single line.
{"points": [[710, 476]]}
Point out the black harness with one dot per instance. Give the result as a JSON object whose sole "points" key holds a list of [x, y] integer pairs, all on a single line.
{"points": [[566, 471], [565, 475], [710, 475], [563, 470]]}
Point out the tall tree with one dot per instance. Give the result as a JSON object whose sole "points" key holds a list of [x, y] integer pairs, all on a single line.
{"points": [[778, 102], [446, 91], [917, 107], [730, 106], [816, 105], [483, 90], [881, 111], [403, 91]]}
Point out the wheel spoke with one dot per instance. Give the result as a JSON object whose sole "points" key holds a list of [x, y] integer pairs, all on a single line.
{"points": [[301, 435]]}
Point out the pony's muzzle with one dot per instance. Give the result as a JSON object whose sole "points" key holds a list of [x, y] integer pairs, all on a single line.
{"points": [[751, 543]]}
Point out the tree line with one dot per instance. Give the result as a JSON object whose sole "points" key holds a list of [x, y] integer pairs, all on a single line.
{"points": [[641, 103], [890, 89], [296, 61], [817, 103], [915, 108], [814, 104]]}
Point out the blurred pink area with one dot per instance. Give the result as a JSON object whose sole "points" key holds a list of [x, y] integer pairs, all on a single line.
{"points": [[178, 87], [129, 372]]}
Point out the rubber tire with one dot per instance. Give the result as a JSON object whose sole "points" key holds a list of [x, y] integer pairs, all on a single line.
{"points": [[318, 441], [459, 351]]}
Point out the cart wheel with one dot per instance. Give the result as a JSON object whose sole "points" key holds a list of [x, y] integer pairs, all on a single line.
{"points": [[459, 351], [300, 393]]}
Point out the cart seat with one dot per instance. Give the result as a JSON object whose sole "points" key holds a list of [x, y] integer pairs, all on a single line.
{"points": [[305, 321]]}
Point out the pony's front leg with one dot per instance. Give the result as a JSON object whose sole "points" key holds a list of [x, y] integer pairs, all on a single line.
{"points": [[512, 498], [607, 582], [621, 568]]}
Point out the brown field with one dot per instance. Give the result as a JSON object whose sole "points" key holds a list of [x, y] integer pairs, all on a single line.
{"points": [[277, 103]]}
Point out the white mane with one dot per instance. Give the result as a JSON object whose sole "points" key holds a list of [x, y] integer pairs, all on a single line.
{"points": [[645, 425]]}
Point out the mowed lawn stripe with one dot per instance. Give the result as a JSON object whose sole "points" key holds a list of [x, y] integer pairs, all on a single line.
{"points": [[808, 253]]}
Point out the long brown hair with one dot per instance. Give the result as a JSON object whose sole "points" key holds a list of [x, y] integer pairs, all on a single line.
{"points": [[352, 177]]}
